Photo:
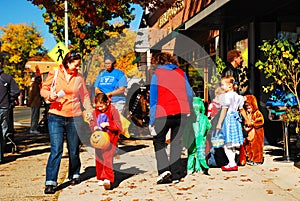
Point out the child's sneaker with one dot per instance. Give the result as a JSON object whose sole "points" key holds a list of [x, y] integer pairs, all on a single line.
{"points": [[106, 184], [100, 182]]}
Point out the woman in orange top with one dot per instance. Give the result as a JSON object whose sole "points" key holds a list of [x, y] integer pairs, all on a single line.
{"points": [[66, 90]]}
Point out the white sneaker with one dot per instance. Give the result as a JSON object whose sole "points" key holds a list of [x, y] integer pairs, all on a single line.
{"points": [[34, 132], [100, 182], [176, 181]]}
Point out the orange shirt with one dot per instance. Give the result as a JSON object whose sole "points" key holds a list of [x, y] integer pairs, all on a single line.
{"points": [[75, 90]]}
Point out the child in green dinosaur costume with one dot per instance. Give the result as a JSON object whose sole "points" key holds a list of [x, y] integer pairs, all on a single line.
{"points": [[196, 151]]}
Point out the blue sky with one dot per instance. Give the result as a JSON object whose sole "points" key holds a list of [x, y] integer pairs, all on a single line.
{"points": [[23, 11]]}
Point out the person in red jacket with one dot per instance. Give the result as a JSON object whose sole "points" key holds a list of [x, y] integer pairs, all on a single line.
{"points": [[170, 104], [108, 120]]}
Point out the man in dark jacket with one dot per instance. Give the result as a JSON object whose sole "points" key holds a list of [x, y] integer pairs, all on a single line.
{"points": [[9, 92], [234, 59]]}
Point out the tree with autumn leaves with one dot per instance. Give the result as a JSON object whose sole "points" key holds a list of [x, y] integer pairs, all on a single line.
{"points": [[21, 42], [89, 26], [89, 19]]}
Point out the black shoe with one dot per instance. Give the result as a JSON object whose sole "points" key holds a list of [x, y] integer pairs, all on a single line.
{"points": [[75, 181], [164, 178], [50, 189]]}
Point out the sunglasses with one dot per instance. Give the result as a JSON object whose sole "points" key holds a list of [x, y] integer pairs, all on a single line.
{"points": [[75, 54]]}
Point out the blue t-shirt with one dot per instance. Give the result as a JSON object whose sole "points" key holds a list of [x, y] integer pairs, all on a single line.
{"points": [[110, 81]]}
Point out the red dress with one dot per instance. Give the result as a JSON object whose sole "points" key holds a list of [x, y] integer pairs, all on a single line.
{"points": [[104, 157]]}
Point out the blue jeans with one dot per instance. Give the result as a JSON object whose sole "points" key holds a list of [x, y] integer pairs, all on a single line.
{"points": [[3, 130], [58, 126]]}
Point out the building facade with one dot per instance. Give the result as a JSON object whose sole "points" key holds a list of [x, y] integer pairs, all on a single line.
{"points": [[217, 26]]}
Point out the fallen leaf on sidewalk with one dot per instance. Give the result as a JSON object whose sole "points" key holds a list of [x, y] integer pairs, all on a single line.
{"points": [[107, 199], [186, 188], [228, 177], [124, 193], [246, 180], [161, 189], [34, 179], [82, 192], [270, 191], [274, 169], [266, 180]]}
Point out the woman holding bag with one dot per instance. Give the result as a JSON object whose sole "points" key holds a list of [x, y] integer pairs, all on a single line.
{"points": [[66, 90]]}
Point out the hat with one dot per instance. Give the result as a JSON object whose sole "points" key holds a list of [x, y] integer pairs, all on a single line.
{"points": [[109, 57]]}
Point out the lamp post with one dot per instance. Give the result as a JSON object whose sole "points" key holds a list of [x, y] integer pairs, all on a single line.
{"points": [[66, 24]]}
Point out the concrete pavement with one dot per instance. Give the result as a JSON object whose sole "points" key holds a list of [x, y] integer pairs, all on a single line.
{"points": [[136, 179], [22, 177]]}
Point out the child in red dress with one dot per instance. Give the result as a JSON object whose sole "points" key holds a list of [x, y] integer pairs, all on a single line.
{"points": [[214, 107], [112, 125]]}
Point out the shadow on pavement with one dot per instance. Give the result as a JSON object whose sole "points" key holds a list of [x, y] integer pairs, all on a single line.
{"points": [[23, 154], [27, 144], [123, 174], [63, 185], [128, 148], [274, 152]]}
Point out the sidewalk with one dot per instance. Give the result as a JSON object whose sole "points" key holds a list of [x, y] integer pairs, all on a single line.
{"points": [[136, 180]]}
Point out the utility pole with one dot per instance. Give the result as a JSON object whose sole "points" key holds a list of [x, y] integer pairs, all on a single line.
{"points": [[66, 24]]}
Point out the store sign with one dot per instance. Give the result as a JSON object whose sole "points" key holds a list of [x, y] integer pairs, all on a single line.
{"points": [[170, 13]]}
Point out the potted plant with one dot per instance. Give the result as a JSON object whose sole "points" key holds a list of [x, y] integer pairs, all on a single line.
{"points": [[282, 65]]}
